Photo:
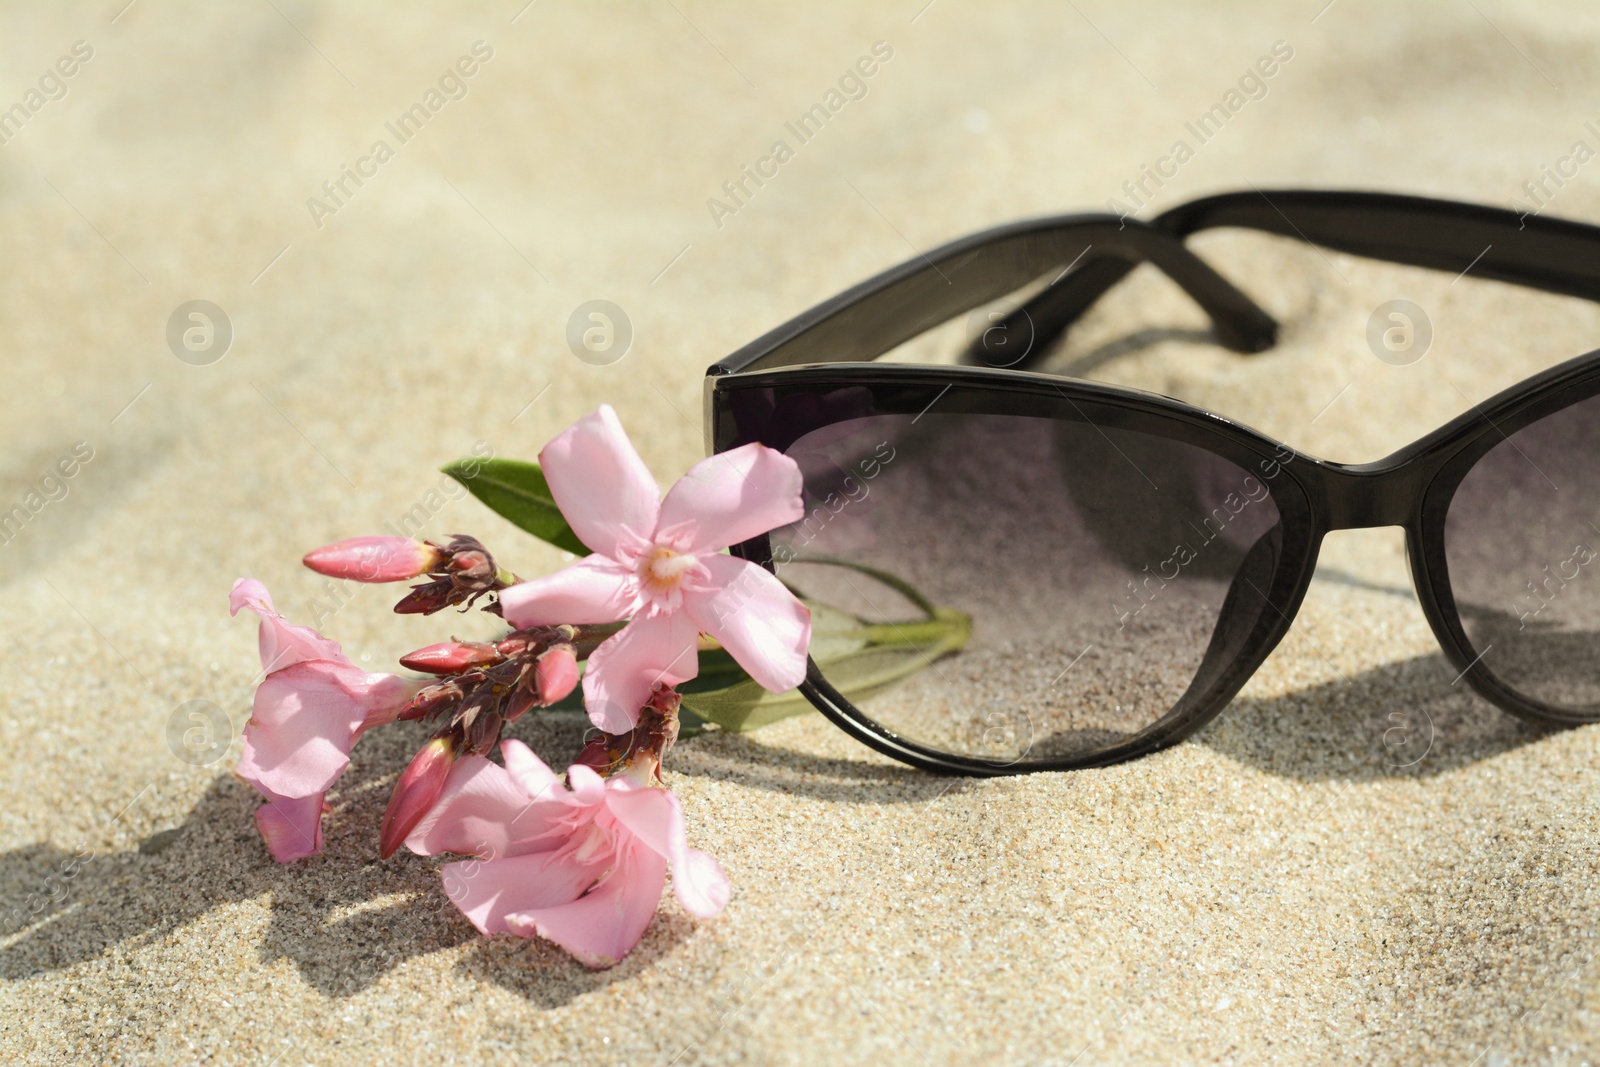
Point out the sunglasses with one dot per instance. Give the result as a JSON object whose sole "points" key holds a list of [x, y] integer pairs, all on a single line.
{"points": [[1123, 561]]}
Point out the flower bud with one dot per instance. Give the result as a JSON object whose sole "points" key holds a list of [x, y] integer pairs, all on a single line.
{"points": [[483, 733], [472, 563], [514, 645], [523, 697], [463, 572], [431, 699], [480, 700], [375, 559], [557, 673], [415, 793], [605, 753], [450, 657], [428, 598]]}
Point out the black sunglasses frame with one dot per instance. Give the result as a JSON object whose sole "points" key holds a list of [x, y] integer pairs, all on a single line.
{"points": [[831, 347]]}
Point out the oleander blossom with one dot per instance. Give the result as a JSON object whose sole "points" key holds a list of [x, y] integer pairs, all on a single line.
{"points": [[580, 862], [309, 710], [660, 564]]}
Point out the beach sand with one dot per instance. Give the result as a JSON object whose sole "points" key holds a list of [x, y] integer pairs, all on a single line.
{"points": [[1358, 861]]}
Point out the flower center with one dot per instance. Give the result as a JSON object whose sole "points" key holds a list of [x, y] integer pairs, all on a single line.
{"points": [[663, 569], [591, 843]]}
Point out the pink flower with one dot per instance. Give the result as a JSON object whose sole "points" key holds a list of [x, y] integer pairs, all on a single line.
{"points": [[308, 712], [661, 565], [581, 863]]}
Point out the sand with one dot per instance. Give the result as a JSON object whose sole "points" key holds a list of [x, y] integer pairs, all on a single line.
{"points": [[1359, 861]]}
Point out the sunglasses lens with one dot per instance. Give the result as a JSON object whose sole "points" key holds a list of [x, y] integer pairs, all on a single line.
{"points": [[1522, 546], [1105, 574]]}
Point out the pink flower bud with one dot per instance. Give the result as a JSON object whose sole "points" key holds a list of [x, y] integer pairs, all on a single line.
{"points": [[431, 699], [515, 645], [450, 657], [471, 561], [522, 698], [557, 673], [415, 793], [604, 753], [375, 559]]}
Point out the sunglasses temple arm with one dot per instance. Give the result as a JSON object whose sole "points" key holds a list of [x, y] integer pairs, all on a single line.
{"points": [[1238, 323], [885, 311], [1519, 247], [1048, 314]]}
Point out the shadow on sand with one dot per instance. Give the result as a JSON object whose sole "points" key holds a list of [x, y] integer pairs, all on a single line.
{"points": [[345, 918]]}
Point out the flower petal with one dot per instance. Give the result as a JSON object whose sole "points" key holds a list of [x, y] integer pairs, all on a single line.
{"points": [[291, 827], [603, 925], [582, 788], [762, 625], [490, 891], [304, 721], [700, 883], [594, 589], [530, 772], [601, 485], [483, 811], [283, 644], [731, 497], [384, 696], [588, 788], [655, 818], [650, 649]]}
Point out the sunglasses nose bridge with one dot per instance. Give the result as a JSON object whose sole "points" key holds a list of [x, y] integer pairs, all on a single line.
{"points": [[1357, 497]]}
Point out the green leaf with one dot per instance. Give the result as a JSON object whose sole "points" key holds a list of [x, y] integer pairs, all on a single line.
{"points": [[860, 660], [518, 491]]}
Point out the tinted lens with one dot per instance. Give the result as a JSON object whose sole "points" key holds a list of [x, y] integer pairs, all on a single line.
{"points": [[1104, 572], [1522, 544]]}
